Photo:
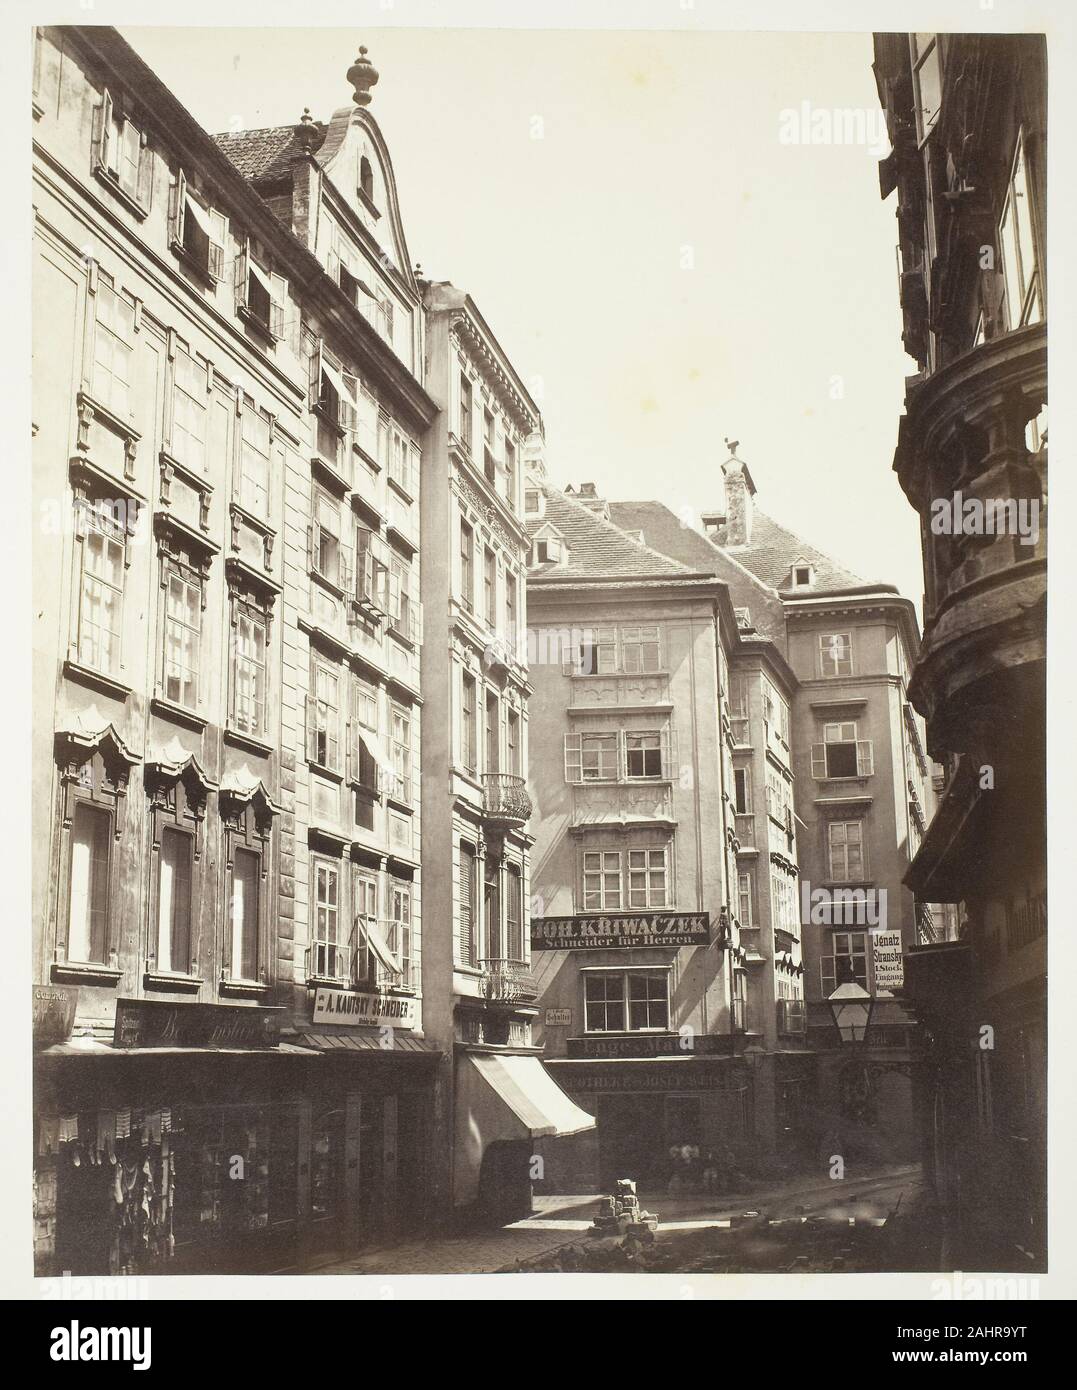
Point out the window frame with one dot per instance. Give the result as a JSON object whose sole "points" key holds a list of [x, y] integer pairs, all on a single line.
{"points": [[832, 844], [836, 663], [621, 998]]}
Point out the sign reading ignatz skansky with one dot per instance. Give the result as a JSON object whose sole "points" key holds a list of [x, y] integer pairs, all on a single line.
{"points": [[593, 933]]}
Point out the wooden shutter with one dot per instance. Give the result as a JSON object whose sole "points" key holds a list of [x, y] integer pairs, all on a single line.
{"points": [[314, 387], [818, 760], [466, 921], [177, 207], [102, 134], [241, 271], [276, 307], [865, 762], [215, 253], [144, 188]]}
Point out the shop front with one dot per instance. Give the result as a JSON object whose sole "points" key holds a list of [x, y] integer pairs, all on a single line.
{"points": [[671, 1123], [198, 1139]]}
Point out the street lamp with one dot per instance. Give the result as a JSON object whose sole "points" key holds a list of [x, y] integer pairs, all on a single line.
{"points": [[851, 1007]]}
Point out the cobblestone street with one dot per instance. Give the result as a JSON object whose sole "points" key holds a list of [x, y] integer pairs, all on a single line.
{"points": [[564, 1221]]}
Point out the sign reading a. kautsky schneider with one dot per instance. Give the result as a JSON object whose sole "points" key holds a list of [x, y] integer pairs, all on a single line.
{"points": [[371, 1010], [587, 933]]}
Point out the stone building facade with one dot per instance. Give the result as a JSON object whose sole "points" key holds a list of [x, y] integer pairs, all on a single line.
{"points": [[967, 119]]}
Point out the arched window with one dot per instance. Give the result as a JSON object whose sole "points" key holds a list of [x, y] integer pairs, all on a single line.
{"points": [[366, 178]]}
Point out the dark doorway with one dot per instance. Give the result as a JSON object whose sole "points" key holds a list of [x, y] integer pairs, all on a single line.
{"points": [[85, 1214], [631, 1139], [505, 1183]]}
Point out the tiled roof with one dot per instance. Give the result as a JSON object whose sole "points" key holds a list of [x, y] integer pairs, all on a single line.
{"points": [[666, 532], [263, 155], [596, 546], [774, 550]]}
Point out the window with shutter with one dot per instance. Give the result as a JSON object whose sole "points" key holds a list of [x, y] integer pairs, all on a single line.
{"points": [[466, 921]]}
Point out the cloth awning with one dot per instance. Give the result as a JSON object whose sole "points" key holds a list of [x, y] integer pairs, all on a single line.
{"points": [[378, 944], [200, 216], [515, 1097]]}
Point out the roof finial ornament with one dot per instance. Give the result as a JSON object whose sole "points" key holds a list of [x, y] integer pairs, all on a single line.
{"points": [[362, 75], [306, 130], [732, 445]]}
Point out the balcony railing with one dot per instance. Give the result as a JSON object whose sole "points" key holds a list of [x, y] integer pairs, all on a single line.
{"points": [[505, 798], [508, 982], [741, 727], [745, 826]]}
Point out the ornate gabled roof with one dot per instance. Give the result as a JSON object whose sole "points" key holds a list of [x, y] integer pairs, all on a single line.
{"points": [[597, 546]]}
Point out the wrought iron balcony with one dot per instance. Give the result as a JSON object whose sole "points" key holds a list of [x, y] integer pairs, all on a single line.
{"points": [[505, 798], [508, 982]]}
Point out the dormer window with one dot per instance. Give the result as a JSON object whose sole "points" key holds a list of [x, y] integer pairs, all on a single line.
{"points": [[802, 576], [533, 502], [548, 550]]}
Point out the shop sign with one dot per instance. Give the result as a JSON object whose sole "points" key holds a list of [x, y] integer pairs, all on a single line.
{"points": [[558, 1018], [156, 1023], [54, 1012], [628, 1076], [653, 1045], [623, 929], [888, 961], [364, 1010]]}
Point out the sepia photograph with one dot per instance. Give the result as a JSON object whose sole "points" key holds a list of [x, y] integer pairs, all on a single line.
{"points": [[537, 721]]}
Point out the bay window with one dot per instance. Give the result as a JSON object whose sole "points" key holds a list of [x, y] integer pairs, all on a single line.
{"points": [[601, 880], [647, 878]]}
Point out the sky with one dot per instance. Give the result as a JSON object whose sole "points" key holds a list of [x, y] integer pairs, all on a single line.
{"points": [[665, 264]]}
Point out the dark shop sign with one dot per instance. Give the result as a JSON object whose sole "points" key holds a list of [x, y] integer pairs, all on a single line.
{"points": [[653, 1045], [634, 1076], [156, 1023], [623, 929], [54, 1012]]}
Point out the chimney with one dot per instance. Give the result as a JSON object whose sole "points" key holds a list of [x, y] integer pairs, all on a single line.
{"points": [[588, 496], [739, 491]]}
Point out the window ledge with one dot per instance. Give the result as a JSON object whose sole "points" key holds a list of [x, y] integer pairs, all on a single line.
{"points": [[399, 804], [243, 989], [255, 522], [84, 972], [114, 186], [329, 982], [259, 325], [251, 742], [334, 773], [179, 984], [88, 675], [194, 265], [616, 675], [160, 704], [338, 480]]}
